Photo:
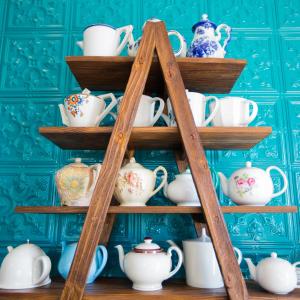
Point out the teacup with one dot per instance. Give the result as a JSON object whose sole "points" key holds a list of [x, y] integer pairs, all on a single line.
{"points": [[86, 110], [145, 115], [197, 103], [234, 111], [104, 40]]}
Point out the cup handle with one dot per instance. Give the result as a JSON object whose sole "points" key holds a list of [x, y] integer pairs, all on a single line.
{"points": [[183, 47], [227, 30], [214, 112], [164, 179], [254, 112], [63, 114], [294, 265], [180, 260], [101, 250], [46, 267], [106, 111], [160, 109], [285, 181], [239, 253], [166, 119], [128, 30]]}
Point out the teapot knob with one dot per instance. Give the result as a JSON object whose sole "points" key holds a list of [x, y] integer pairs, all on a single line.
{"points": [[274, 255], [148, 240], [132, 160], [205, 17], [77, 160], [248, 164]]}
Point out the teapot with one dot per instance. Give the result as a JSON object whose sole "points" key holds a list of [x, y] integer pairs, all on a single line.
{"points": [[104, 40], [182, 190], [147, 265], [26, 266], [274, 274], [135, 184], [97, 265], [206, 41], [85, 110], [251, 186], [134, 45], [75, 183]]}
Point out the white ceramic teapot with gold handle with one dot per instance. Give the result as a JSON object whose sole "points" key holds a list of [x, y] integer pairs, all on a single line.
{"points": [[135, 184], [76, 182]]}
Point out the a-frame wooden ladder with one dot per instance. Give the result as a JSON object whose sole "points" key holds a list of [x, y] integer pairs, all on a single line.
{"points": [[154, 37]]}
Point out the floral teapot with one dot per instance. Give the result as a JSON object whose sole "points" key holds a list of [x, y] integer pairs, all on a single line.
{"points": [[251, 186], [147, 265], [135, 184], [76, 182], [206, 41], [274, 274], [134, 45]]}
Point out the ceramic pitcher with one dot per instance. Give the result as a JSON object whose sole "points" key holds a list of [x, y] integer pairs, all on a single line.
{"points": [[86, 110], [234, 111], [197, 104], [104, 40]]}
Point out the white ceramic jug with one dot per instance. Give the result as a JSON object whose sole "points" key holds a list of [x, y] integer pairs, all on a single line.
{"points": [[104, 40], [86, 110], [197, 103], [145, 115], [234, 111]]}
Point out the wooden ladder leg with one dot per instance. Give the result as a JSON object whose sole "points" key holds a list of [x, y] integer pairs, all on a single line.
{"points": [[232, 275], [107, 229], [96, 215]]}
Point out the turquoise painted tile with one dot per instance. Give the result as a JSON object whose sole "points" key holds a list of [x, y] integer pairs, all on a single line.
{"points": [[288, 14]]}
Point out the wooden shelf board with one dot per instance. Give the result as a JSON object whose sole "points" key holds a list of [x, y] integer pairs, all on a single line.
{"points": [[120, 289], [111, 73], [218, 138], [154, 209]]}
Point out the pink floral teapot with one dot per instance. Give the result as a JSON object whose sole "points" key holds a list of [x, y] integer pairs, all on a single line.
{"points": [[251, 186]]}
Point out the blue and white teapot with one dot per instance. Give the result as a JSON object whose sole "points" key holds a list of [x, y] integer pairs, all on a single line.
{"points": [[206, 41], [68, 252]]}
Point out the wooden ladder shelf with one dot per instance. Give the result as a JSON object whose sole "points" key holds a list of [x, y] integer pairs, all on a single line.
{"points": [[98, 222]]}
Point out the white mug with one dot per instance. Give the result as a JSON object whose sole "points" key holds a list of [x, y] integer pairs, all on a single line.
{"points": [[86, 110], [145, 115], [197, 103], [234, 111], [104, 40]]}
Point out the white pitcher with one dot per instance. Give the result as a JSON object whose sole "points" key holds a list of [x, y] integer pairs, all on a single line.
{"points": [[86, 110], [234, 111], [104, 40], [197, 103], [145, 115]]}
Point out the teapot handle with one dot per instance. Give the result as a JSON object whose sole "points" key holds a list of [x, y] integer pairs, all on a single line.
{"points": [[285, 182], [227, 30], [46, 268], [164, 179], [183, 47], [104, 259], [160, 109], [239, 254], [96, 168], [180, 259], [107, 110], [254, 112], [294, 265], [128, 31]]}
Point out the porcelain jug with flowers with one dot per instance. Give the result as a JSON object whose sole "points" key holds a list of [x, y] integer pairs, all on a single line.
{"points": [[206, 41]]}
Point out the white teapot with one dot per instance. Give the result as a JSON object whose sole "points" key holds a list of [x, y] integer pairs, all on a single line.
{"points": [[134, 45], [274, 274], [135, 184], [251, 186], [26, 266], [147, 265]]}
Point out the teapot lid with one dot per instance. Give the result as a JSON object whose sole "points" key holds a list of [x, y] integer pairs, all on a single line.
{"points": [[204, 22], [147, 247], [77, 163], [133, 164]]}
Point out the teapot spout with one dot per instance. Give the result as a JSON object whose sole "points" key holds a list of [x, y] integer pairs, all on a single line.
{"points": [[121, 256], [80, 44], [252, 268], [224, 183], [63, 114]]}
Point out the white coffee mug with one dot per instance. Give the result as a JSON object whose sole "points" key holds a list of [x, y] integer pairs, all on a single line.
{"points": [[197, 103], [104, 40], [145, 115], [86, 110], [234, 111]]}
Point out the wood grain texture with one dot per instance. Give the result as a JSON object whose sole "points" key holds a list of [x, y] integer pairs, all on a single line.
{"points": [[231, 272], [107, 229], [205, 75], [81, 138], [102, 195], [120, 289], [155, 209]]}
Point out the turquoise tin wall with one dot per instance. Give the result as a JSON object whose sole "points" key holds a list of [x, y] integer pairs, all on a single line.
{"points": [[36, 35]]}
